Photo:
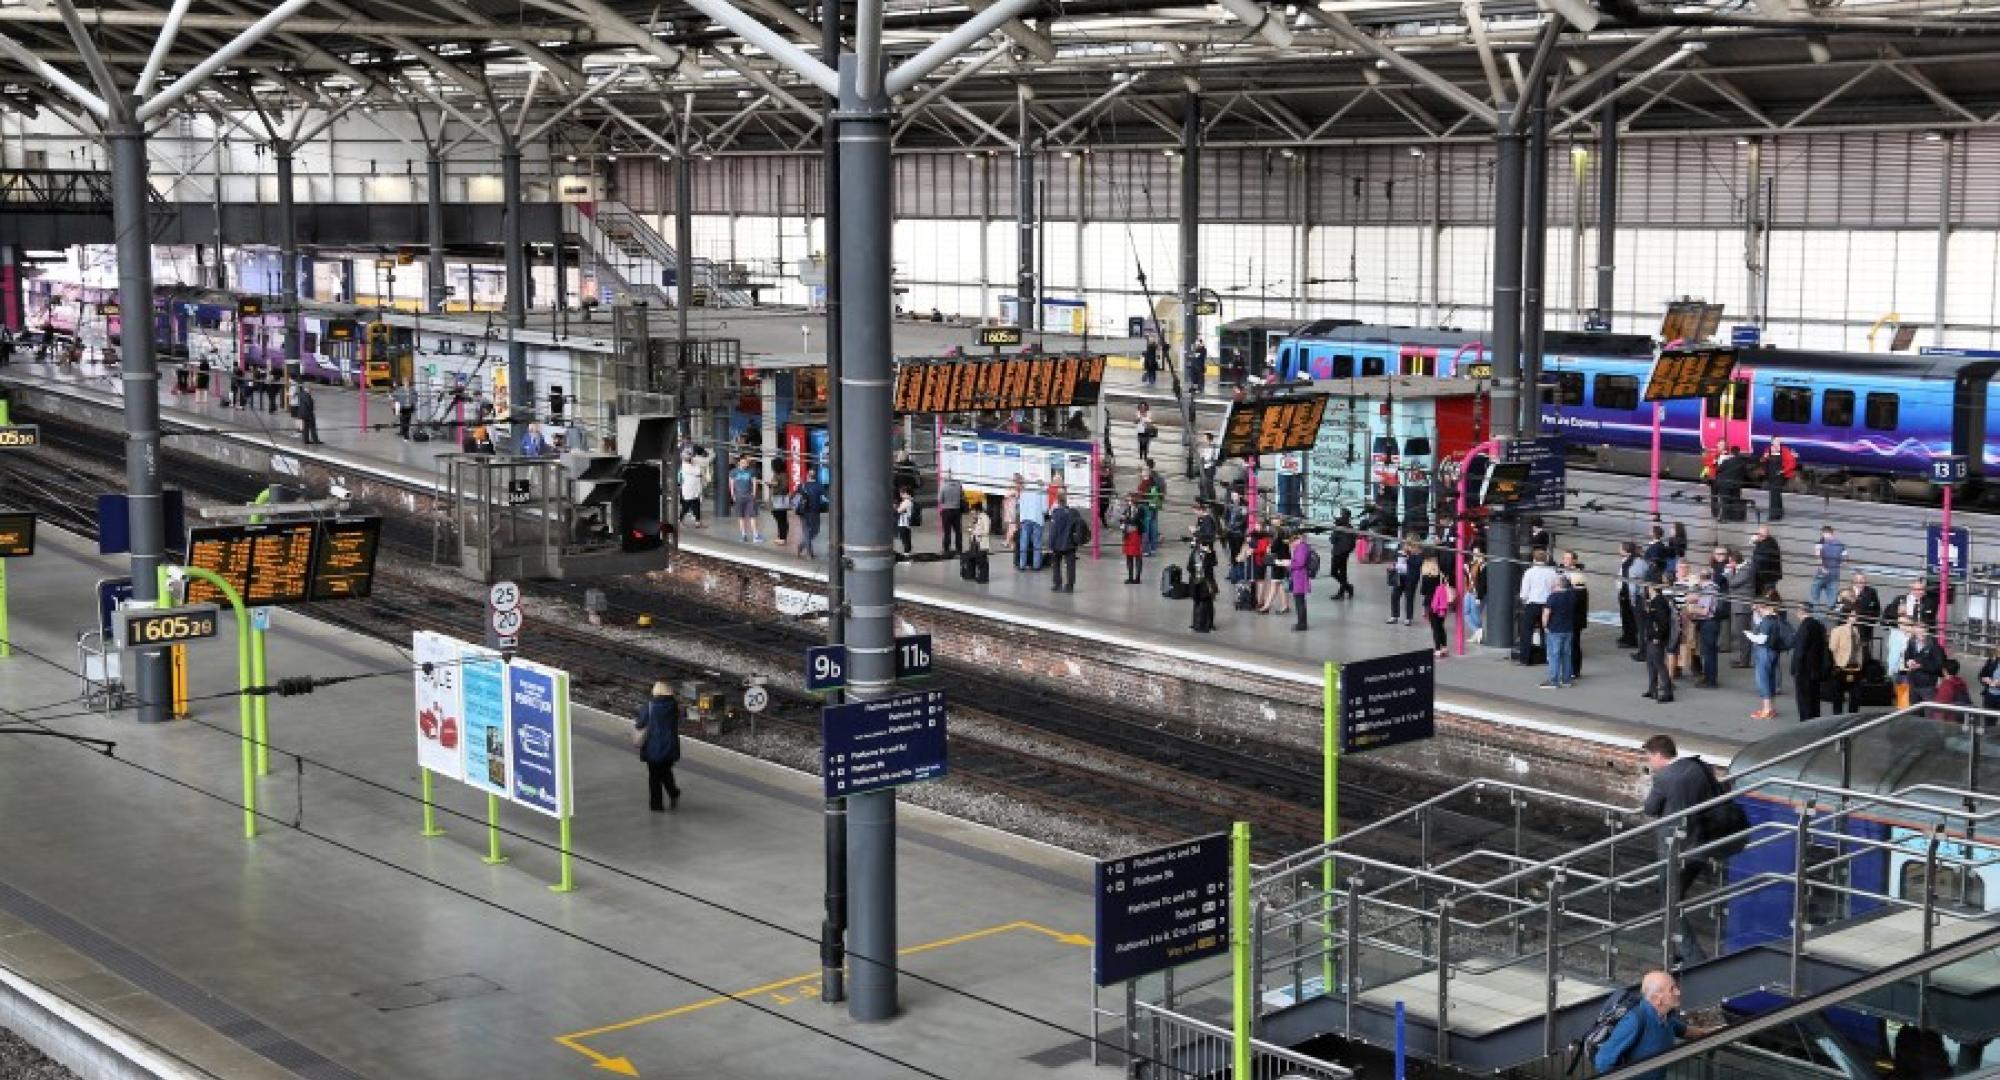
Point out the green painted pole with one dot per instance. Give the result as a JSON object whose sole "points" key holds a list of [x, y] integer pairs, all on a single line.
{"points": [[1330, 808], [6, 636], [244, 714], [1240, 936], [260, 708], [493, 856], [568, 882], [430, 807]]}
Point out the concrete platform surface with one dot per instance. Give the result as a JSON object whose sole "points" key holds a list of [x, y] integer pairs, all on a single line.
{"points": [[353, 946]]}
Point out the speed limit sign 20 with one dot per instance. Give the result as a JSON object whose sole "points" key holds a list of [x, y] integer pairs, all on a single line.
{"points": [[507, 622]]}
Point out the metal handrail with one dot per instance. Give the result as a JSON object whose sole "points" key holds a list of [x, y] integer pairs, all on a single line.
{"points": [[1325, 1070]]}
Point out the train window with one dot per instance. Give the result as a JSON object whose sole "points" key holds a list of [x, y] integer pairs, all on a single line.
{"points": [[1569, 388], [1836, 408], [1343, 367], [1616, 392], [1882, 410], [1371, 365], [1949, 882], [1791, 405]]}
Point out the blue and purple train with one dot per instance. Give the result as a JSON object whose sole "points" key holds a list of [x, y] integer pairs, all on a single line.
{"points": [[1867, 422]]}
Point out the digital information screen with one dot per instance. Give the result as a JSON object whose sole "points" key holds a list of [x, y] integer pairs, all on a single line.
{"points": [[343, 565], [17, 534], [1037, 382], [1699, 373], [997, 336], [286, 563], [1272, 425]]}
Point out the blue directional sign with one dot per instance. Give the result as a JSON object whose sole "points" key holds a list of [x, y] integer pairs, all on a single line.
{"points": [[1746, 335], [873, 745], [1387, 701], [1547, 472], [1961, 550], [1949, 469], [1161, 908], [826, 668], [913, 656], [111, 592]]}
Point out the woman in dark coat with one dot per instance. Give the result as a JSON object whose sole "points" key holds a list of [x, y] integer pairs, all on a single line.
{"points": [[1812, 666]]}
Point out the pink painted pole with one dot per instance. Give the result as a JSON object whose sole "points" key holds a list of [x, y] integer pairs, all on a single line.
{"points": [[1490, 448], [1474, 347], [1653, 465], [1944, 580], [364, 396], [1096, 524], [1250, 477], [937, 443]]}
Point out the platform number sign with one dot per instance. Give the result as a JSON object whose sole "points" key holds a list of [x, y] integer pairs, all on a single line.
{"points": [[913, 656], [826, 668], [1950, 469]]}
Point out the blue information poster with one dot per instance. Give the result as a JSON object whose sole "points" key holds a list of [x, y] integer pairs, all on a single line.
{"points": [[486, 744], [537, 707]]}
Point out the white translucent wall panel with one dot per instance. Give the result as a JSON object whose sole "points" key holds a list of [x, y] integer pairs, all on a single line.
{"points": [[711, 236], [1058, 257], [1970, 288], [1914, 292]]}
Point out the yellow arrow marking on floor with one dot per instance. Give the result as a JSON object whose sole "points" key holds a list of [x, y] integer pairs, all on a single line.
{"points": [[624, 1067]]}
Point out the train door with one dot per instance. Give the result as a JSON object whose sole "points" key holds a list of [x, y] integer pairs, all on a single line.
{"points": [[1725, 417], [1970, 414], [1419, 361]]}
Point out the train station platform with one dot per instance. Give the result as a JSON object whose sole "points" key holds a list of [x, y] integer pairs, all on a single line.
{"points": [[1605, 708], [341, 943]]}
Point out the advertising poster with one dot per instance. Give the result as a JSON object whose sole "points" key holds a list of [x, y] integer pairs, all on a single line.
{"points": [[538, 707], [488, 750], [440, 717]]}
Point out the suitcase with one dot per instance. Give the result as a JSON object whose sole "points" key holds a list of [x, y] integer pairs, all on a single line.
{"points": [[1246, 596], [982, 568], [1735, 509], [965, 567], [1173, 582], [1874, 695]]}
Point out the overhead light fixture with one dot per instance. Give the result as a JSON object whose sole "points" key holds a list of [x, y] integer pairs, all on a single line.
{"points": [[1576, 12], [970, 156], [666, 157], [1067, 155], [571, 158], [1933, 136], [1416, 151], [1742, 140], [611, 157]]}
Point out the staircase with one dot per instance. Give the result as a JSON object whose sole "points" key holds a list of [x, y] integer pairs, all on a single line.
{"points": [[622, 244], [1485, 954]]}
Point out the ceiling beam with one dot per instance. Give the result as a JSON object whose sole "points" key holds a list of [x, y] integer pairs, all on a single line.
{"points": [[358, 26]]}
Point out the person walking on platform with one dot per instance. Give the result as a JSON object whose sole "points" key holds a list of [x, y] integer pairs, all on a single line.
{"points": [[1033, 505], [1779, 465], [780, 487], [657, 733], [743, 484], [1679, 783], [406, 407], [1739, 586], [906, 512], [1848, 657], [1107, 493], [1631, 578], [1831, 553], [1652, 1028], [1132, 537], [1149, 372], [308, 418], [1066, 532], [1304, 565], [1923, 663], [1404, 574], [810, 502], [974, 564], [1558, 622], [1475, 597], [1812, 666], [1536, 585], [202, 373], [1766, 641], [1153, 489], [1767, 564], [692, 478], [1209, 456], [1143, 429], [1867, 608], [1572, 568], [1709, 611], [1339, 549], [1436, 591], [1656, 629], [1202, 586]]}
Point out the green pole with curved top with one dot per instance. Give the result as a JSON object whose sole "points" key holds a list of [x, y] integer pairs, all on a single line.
{"points": [[260, 716], [252, 741]]}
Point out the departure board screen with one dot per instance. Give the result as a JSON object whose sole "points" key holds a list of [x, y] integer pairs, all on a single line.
{"points": [[1029, 382], [265, 564], [1699, 373], [344, 561], [17, 534], [1272, 425]]}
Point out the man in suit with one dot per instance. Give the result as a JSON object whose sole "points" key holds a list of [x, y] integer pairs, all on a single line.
{"points": [[1679, 783], [308, 418], [1060, 539]]}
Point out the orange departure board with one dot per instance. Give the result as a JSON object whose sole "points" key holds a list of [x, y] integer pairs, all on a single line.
{"points": [[1699, 373], [1272, 425], [344, 558], [1024, 382], [17, 534], [265, 564]]}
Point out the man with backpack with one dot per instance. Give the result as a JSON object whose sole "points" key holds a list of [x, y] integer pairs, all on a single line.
{"points": [[1678, 784], [1634, 1028], [1066, 531]]}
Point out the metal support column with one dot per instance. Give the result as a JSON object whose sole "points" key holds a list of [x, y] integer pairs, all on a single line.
{"points": [[1027, 290], [1190, 269], [1944, 237], [833, 928], [1508, 181], [863, 488], [288, 256], [435, 283], [520, 404], [683, 228], [1607, 200], [1753, 227], [141, 376], [221, 268], [1534, 256]]}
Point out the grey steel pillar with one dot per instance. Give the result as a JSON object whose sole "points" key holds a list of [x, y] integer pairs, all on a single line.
{"points": [[1944, 237], [1534, 259], [519, 402], [141, 375], [1607, 200], [1027, 287], [863, 489], [1190, 264], [221, 269], [1501, 552], [13, 313], [833, 928], [1753, 226], [683, 231], [560, 264], [436, 286], [288, 256]]}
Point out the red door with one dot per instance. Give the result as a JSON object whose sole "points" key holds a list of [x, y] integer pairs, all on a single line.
{"points": [[1725, 417]]}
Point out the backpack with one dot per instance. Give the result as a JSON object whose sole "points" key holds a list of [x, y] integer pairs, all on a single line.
{"points": [[1173, 583], [1787, 635], [1609, 1015], [1312, 562], [1079, 531], [1724, 821]]}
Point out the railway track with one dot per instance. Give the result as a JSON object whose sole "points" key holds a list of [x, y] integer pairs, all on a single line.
{"points": [[1124, 771]]}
